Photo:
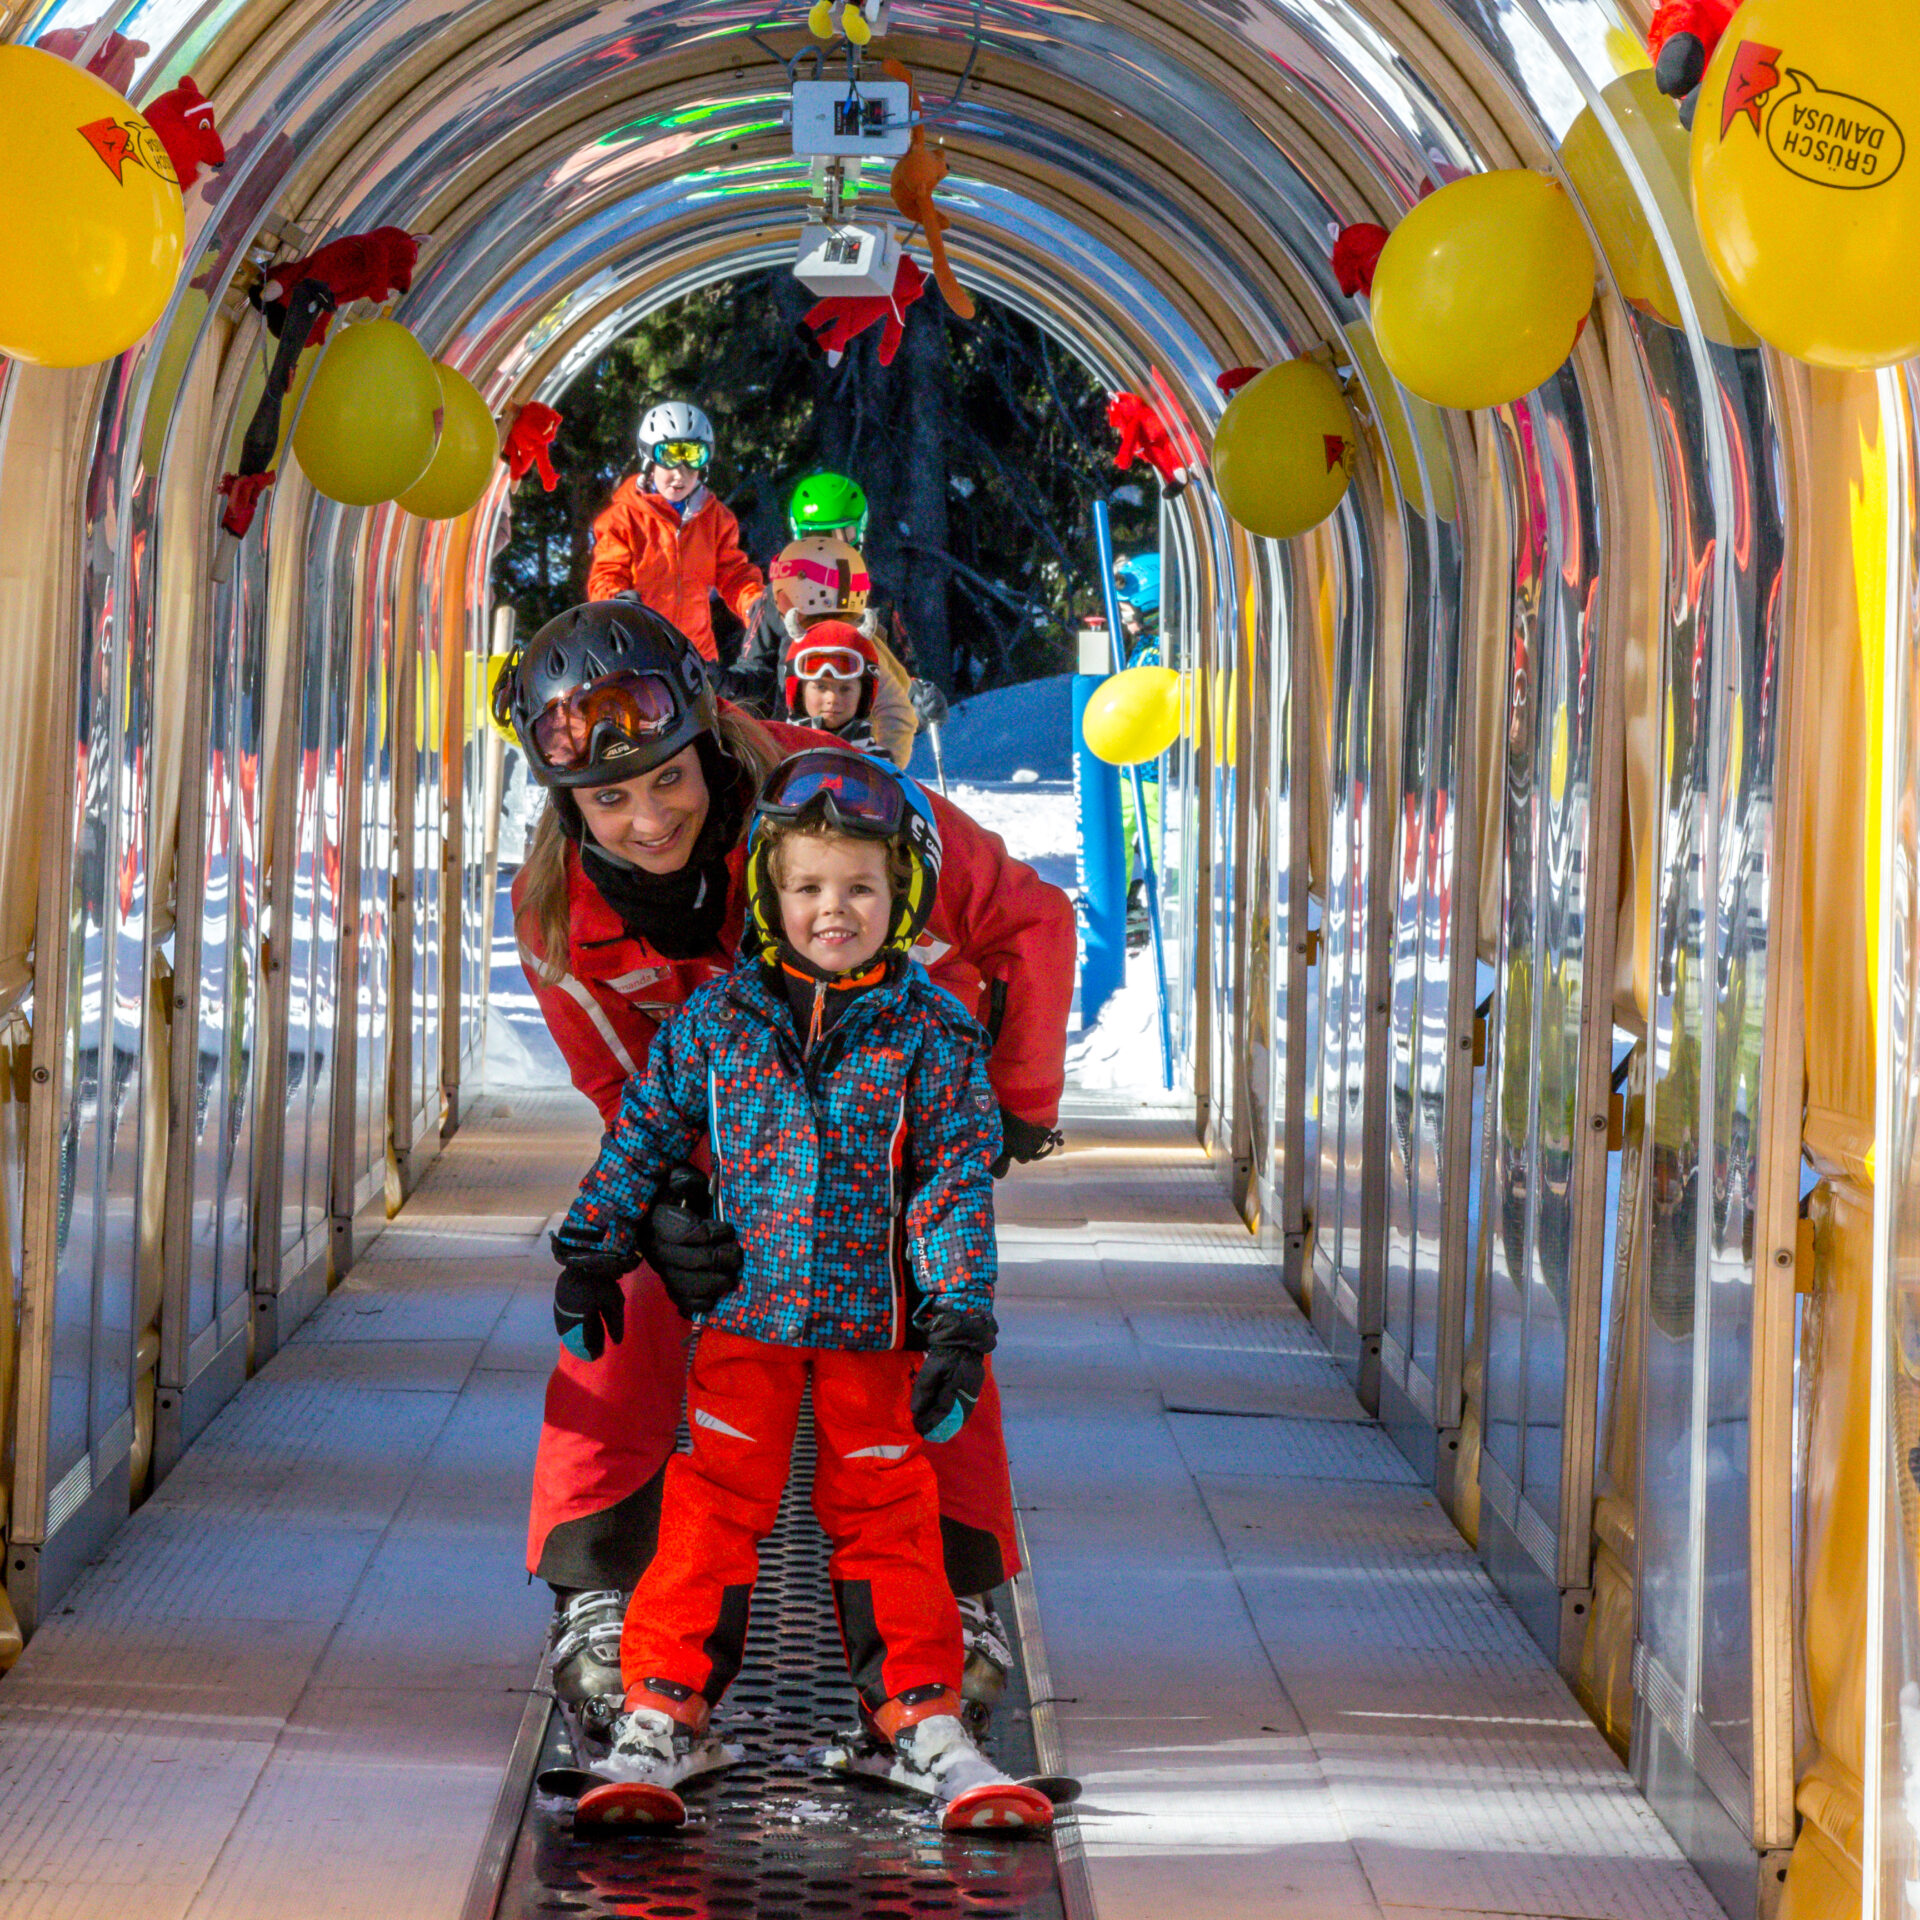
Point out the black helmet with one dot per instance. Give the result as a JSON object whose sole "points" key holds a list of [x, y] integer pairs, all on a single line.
{"points": [[604, 692]]}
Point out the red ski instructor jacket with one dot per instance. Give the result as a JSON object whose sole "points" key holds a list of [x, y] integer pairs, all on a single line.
{"points": [[1000, 939]]}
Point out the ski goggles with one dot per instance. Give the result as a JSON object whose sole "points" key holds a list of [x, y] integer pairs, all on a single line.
{"points": [[681, 453], [858, 798], [639, 707], [829, 663]]}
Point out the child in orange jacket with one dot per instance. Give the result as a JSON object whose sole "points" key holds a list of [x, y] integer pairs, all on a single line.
{"points": [[664, 537]]}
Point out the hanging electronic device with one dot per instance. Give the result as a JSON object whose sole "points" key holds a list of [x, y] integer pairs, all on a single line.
{"points": [[850, 257], [851, 119]]}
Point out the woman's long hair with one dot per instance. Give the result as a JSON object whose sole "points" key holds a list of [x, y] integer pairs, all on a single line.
{"points": [[543, 909]]}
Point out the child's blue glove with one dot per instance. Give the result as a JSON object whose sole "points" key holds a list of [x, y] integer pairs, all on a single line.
{"points": [[953, 1373]]}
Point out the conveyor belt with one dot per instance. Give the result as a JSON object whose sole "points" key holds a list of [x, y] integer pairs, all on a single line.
{"points": [[770, 1837]]}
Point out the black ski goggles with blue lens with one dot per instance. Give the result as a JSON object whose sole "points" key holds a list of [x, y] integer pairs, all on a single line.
{"points": [[849, 789]]}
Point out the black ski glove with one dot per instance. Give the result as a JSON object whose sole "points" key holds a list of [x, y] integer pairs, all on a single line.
{"points": [[954, 1371], [696, 1257], [588, 1306], [1024, 1140]]}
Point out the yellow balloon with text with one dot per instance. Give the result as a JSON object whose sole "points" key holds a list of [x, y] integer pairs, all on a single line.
{"points": [[464, 460], [1649, 124], [1480, 290], [1807, 198], [372, 415], [92, 223], [1284, 451], [1133, 716]]}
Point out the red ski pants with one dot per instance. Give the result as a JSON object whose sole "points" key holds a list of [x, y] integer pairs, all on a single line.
{"points": [[873, 1491], [609, 1433]]}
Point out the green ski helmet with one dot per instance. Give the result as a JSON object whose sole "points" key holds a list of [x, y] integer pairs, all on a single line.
{"points": [[826, 502]]}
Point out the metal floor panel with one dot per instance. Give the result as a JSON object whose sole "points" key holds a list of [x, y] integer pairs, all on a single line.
{"points": [[1288, 1683], [771, 1837]]}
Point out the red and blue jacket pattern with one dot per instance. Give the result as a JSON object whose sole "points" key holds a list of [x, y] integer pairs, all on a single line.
{"points": [[857, 1178]]}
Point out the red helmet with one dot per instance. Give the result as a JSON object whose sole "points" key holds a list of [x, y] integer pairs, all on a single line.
{"points": [[831, 650]]}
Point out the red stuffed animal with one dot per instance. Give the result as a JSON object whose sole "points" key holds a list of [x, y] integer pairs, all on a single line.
{"points": [[833, 324], [1143, 436], [357, 266], [529, 442], [1682, 39], [183, 118], [1355, 255]]}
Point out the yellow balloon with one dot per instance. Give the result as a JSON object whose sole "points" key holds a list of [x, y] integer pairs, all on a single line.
{"points": [[1650, 124], [463, 461], [1807, 198], [1133, 716], [1284, 451], [92, 225], [371, 419], [1481, 289], [1406, 421]]}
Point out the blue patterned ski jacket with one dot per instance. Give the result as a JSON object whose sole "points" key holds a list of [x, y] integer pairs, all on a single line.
{"points": [[858, 1180]]}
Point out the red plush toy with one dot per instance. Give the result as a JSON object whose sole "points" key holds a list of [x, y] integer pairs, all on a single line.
{"points": [[833, 324], [529, 441], [1143, 436], [357, 266], [183, 118], [1355, 255], [242, 493], [1682, 39]]}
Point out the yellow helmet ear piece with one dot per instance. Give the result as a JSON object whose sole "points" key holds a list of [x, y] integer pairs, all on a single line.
{"points": [[820, 19], [853, 23]]}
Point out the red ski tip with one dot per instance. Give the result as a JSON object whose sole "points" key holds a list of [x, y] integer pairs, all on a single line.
{"points": [[1005, 1808], [630, 1803]]}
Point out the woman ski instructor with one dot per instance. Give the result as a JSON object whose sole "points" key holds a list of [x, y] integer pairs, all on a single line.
{"points": [[632, 896]]}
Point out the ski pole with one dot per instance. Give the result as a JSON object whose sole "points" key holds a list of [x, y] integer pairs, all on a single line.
{"points": [[939, 759]]}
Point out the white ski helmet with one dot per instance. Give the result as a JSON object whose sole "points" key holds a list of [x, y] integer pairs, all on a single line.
{"points": [[672, 420]]}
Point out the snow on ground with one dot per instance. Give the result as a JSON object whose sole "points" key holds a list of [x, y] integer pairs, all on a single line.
{"points": [[1009, 763], [1122, 1048]]}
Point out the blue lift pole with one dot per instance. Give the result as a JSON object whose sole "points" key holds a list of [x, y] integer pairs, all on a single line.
{"points": [[1102, 910], [1103, 540]]}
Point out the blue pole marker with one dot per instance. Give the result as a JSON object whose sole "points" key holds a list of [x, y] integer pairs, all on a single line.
{"points": [[1101, 911], [1103, 541]]}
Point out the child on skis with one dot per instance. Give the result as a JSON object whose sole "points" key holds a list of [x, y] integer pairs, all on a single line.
{"points": [[852, 1128], [666, 538], [829, 677]]}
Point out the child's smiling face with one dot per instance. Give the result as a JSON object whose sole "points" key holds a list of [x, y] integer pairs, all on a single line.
{"points": [[835, 899]]}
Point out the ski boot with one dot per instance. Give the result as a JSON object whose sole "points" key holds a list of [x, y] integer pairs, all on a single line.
{"points": [[658, 1743], [583, 1662], [918, 1742], [989, 1660]]}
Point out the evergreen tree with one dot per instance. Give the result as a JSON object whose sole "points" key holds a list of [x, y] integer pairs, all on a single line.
{"points": [[981, 449]]}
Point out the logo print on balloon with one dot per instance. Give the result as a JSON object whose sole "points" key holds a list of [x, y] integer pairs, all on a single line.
{"points": [[117, 142], [1754, 74], [1833, 139]]}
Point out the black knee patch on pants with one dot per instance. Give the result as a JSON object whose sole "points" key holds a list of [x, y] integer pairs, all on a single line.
{"points": [[611, 1548], [973, 1559]]}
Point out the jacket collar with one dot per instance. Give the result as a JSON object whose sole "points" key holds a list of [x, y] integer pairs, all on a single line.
{"points": [[603, 949]]}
